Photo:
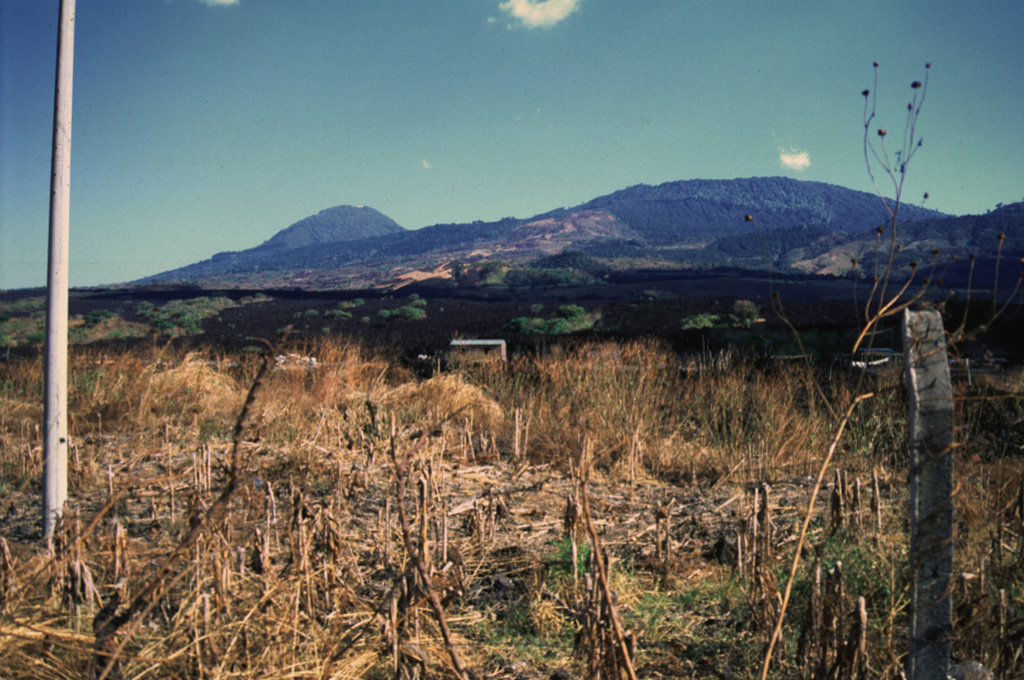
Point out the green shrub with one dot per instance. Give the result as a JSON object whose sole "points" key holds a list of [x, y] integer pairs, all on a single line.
{"points": [[699, 322], [570, 318], [409, 312], [557, 327], [337, 314], [96, 316], [524, 324], [191, 323], [746, 312], [571, 312]]}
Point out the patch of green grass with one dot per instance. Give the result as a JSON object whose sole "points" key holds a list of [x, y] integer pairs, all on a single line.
{"points": [[561, 564], [23, 329], [704, 625], [876, 572], [125, 333]]}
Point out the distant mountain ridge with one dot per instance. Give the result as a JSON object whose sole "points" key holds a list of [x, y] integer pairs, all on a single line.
{"points": [[807, 226]]}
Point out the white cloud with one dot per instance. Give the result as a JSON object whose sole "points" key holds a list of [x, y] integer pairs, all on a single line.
{"points": [[539, 13], [426, 164], [794, 159], [219, 3]]}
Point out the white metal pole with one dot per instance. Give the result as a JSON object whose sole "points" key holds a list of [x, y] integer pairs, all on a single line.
{"points": [[55, 416]]}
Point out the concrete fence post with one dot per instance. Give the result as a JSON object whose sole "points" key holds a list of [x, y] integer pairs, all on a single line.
{"points": [[55, 407], [931, 494]]}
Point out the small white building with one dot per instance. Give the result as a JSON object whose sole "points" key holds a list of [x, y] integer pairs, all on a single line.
{"points": [[462, 350]]}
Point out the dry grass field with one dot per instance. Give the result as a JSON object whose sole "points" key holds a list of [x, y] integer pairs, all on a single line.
{"points": [[599, 511]]}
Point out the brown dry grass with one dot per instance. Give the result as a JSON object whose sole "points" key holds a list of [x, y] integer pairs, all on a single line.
{"points": [[305, 576]]}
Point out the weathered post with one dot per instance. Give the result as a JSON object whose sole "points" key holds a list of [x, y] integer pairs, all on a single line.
{"points": [[931, 494], [55, 416]]}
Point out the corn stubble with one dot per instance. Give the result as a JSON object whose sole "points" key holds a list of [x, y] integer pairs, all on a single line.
{"points": [[606, 511]]}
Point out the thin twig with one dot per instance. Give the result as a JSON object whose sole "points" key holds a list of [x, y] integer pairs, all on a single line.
{"points": [[803, 530]]}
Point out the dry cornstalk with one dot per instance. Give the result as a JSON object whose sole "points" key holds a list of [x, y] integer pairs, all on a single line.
{"points": [[621, 638], [876, 502], [401, 475], [149, 595]]}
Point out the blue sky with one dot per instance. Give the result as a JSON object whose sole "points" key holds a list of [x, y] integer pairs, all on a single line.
{"points": [[202, 126]]}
